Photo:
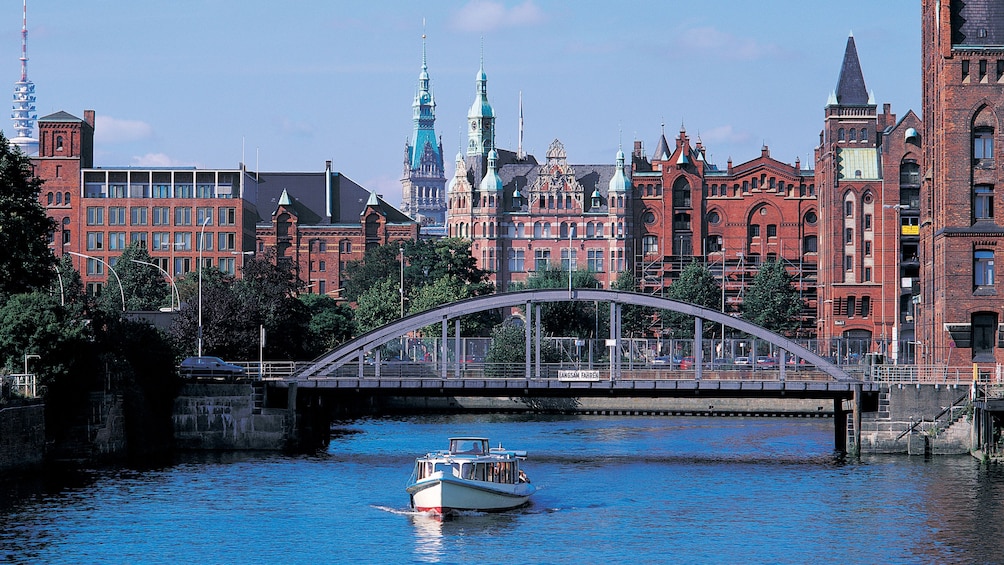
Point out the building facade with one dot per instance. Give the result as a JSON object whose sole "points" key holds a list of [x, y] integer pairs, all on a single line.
{"points": [[959, 307], [867, 173], [316, 222]]}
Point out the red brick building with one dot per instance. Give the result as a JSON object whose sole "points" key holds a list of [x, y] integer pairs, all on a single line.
{"points": [[867, 171], [959, 307], [316, 221]]}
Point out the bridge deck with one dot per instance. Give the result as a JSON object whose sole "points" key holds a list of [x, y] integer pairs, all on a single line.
{"points": [[715, 386]]}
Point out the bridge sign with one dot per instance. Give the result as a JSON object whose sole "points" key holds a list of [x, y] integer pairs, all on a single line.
{"points": [[576, 376]]}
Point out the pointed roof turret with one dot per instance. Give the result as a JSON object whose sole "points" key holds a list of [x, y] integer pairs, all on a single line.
{"points": [[662, 151], [619, 182], [492, 181], [284, 199], [851, 84]]}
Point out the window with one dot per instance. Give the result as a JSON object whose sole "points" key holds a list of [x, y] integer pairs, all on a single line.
{"points": [[183, 191], [117, 240], [203, 190], [541, 258], [161, 216], [681, 194], [810, 244], [95, 241], [810, 218], [59, 143], [840, 134], [983, 202], [714, 243], [116, 190], [983, 268], [138, 216], [161, 241], [228, 265], [594, 260], [322, 266], [516, 260], [116, 216], [771, 230], [183, 216], [984, 326], [183, 241], [345, 246], [909, 173], [849, 236], [849, 208], [851, 306], [852, 135], [568, 260], [161, 191], [868, 221], [228, 216], [867, 276], [95, 216], [864, 134], [139, 238], [848, 262], [866, 306], [203, 214], [754, 230], [868, 248], [983, 144], [650, 245], [228, 242], [713, 217], [95, 267]]}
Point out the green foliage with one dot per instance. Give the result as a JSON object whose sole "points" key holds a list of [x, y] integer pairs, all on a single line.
{"points": [[446, 289], [36, 324], [506, 356], [379, 305], [144, 286], [567, 319], [696, 285], [636, 321], [772, 300], [331, 323], [27, 262]]}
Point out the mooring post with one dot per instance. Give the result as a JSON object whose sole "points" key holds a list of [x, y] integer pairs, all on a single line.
{"points": [[856, 416]]}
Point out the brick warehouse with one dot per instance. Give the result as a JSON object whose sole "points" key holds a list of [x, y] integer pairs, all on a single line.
{"points": [[959, 306]]}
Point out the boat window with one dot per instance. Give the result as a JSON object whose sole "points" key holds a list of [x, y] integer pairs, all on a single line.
{"points": [[469, 446]]}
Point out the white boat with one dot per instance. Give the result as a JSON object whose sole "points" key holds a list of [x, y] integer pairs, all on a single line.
{"points": [[469, 476]]}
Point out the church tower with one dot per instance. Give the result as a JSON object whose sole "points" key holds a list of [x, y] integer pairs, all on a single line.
{"points": [[424, 182]]}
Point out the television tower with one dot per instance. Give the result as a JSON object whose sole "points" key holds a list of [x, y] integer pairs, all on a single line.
{"points": [[23, 114]]}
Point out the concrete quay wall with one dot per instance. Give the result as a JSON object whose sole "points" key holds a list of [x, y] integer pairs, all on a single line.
{"points": [[913, 408], [22, 437], [210, 416], [615, 406]]}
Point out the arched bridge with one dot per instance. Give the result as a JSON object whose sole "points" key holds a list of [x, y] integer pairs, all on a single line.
{"points": [[355, 350]]}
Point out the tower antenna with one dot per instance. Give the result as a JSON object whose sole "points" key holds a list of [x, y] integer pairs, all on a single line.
{"points": [[23, 114], [519, 144]]}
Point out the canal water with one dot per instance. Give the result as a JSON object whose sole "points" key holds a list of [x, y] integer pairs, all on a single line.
{"points": [[611, 490]]}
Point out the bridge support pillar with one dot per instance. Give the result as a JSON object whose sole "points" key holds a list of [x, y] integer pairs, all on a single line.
{"points": [[456, 346], [536, 324], [443, 347], [698, 347], [856, 417], [528, 330], [839, 426]]}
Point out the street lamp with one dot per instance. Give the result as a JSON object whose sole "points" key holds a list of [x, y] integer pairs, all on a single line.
{"points": [[103, 262], [242, 254], [401, 288], [169, 278], [202, 243]]}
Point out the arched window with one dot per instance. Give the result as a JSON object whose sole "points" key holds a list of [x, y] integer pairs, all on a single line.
{"points": [[864, 134], [983, 144], [840, 134], [590, 229], [537, 230], [66, 199], [59, 143], [48, 198], [563, 230], [546, 230], [681, 193], [852, 135], [650, 245]]}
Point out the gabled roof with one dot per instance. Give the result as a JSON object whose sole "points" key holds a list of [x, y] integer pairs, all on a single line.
{"points": [[60, 116], [307, 196], [851, 83]]}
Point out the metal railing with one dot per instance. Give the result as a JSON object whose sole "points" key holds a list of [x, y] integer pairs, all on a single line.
{"points": [[269, 370], [21, 384], [929, 374]]}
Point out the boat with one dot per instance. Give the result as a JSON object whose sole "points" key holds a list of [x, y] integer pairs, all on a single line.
{"points": [[469, 476]]}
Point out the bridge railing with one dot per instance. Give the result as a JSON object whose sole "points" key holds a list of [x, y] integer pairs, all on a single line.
{"points": [[575, 372], [270, 370], [22, 385], [931, 374]]}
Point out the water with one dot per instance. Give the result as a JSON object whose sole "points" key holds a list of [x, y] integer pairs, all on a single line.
{"points": [[611, 489]]}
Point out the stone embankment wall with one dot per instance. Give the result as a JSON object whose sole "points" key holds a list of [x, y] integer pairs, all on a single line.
{"points": [[911, 406], [22, 437], [224, 417]]}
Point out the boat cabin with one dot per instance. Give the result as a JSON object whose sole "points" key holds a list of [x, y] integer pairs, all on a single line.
{"points": [[468, 446]]}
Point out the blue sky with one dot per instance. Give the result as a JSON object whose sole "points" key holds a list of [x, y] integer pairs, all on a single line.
{"points": [[296, 83]]}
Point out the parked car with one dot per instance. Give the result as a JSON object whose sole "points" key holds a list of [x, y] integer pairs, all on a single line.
{"points": [[687, 363], [742, 361], [212, 367], [764, 361]]}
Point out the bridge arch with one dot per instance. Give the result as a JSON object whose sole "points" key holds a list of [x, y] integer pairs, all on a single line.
{"points": [[355, 349]]}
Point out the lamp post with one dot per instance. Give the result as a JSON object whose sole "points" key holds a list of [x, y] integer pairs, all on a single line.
{"points": [[202, 244], [169, 278], [243, 254], [401, 288], [110, 268]]}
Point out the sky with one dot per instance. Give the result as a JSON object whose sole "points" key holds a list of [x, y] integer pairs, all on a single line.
{"points": [[285, 86]]}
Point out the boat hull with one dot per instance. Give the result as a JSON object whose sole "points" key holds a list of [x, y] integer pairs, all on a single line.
{"points": [[444, 494]]}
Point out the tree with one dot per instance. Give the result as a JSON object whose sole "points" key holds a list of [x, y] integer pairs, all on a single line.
{"points": [[635, 320], [331, 323], [449, 288], [26, 262], [35, 323], [379, 305], [566, 319], [696, 285], [506, 356], [143, 286], [772, 301]]}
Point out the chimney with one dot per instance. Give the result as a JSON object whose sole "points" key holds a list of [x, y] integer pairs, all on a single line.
{"points": [[89, 117]]}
